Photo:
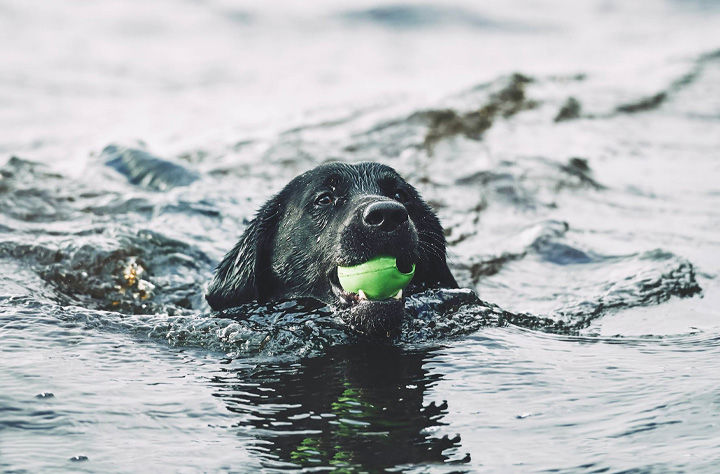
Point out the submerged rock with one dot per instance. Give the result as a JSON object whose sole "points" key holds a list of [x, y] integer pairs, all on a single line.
{"points": [[146, 170]]}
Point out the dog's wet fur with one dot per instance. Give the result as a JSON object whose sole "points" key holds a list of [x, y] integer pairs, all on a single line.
{"points": [[335, 215]]}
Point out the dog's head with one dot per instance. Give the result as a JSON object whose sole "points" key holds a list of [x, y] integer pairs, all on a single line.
{"points": [[335, 215]]}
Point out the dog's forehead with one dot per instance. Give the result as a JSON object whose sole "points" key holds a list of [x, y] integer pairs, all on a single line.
{"points": [[364, 177]]}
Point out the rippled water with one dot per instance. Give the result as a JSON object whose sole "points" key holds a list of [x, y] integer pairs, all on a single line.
{"points": [[571, 150]]}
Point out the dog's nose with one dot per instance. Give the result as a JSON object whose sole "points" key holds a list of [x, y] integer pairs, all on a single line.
{"points": [[385, 215]]}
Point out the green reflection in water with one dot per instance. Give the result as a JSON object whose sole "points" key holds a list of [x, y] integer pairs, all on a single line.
{"points": [[353, 415]]}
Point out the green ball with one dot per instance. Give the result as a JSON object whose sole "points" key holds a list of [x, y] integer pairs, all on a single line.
{"points": [[379, 278]]}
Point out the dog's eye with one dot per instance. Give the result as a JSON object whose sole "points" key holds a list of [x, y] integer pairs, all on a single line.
{"points": [[325, 199], [400, 195]]}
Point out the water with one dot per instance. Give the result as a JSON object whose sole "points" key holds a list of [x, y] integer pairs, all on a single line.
{"points": [[570, 149]]}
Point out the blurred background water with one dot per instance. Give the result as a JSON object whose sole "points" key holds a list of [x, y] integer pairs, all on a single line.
{"points": [[571, 150]]}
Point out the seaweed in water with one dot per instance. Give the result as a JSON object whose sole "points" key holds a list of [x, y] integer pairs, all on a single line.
{"points": [[447, 123], [656, 100], [578, 168], [570, 110], [416, 16], [644, 104]]}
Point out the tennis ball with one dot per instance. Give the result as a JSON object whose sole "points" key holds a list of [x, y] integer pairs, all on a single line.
{"points": [[378, 278]]}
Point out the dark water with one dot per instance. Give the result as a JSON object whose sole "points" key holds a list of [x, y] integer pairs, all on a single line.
{"points": [[571, 151]]}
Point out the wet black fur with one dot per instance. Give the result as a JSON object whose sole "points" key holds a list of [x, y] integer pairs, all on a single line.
{"points": [[294, 245]]}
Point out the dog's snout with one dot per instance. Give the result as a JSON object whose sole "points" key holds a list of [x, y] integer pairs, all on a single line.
{"points": [[385, 215]]}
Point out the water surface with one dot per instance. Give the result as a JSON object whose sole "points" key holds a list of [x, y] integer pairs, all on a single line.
{"points": [[571, 151]]}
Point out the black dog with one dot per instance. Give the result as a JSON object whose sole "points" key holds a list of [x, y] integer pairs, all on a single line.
{"points": [[335, 215]]}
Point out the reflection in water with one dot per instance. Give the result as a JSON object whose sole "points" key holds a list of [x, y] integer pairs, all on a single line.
{"points": [[359, 405]]}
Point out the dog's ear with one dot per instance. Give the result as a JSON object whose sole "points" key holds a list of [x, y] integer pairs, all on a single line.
{"points": [[444, 277], [244, 275], [433, 272]]}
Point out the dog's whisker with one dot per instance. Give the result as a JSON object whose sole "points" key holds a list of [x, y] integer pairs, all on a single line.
{"points": [[432, 243], [431, 250], [431, 236]]}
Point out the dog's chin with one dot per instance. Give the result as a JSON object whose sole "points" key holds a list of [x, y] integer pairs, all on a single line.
{"points": [[372, 318], [376, 319]]}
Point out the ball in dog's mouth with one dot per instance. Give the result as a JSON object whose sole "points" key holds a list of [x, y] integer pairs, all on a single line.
{"points": [[379, 278], [374, 292]]}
